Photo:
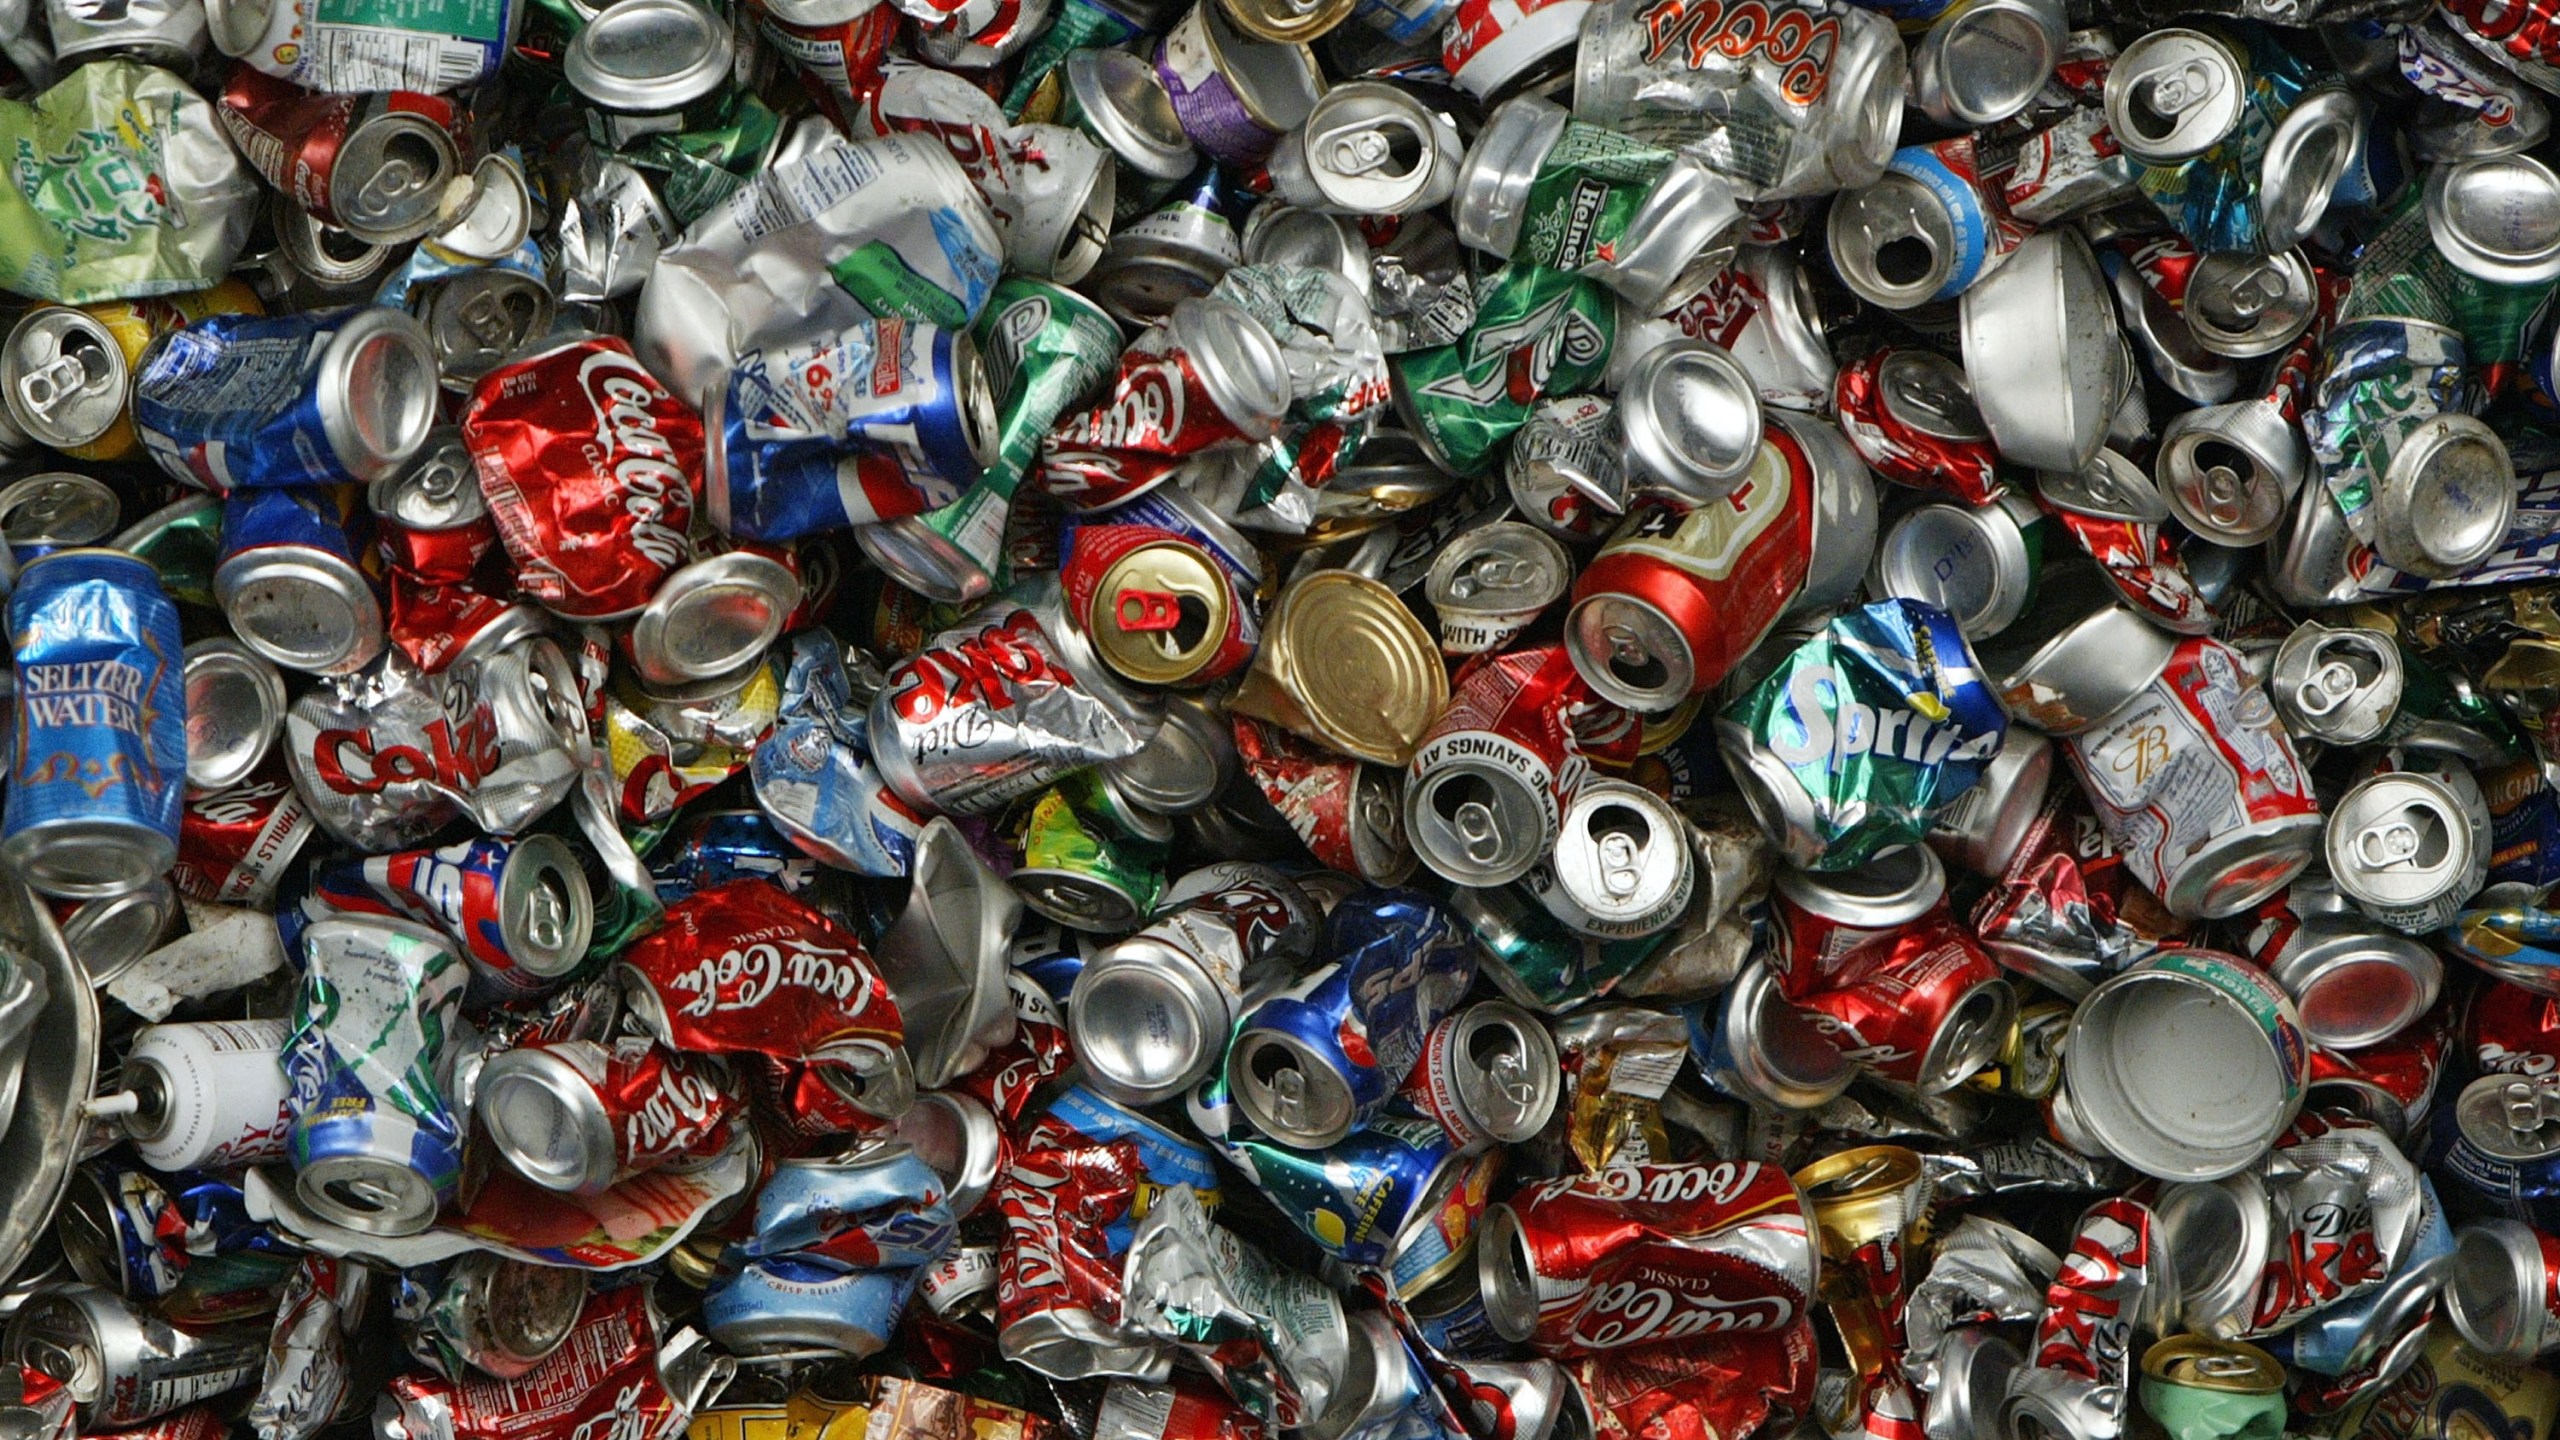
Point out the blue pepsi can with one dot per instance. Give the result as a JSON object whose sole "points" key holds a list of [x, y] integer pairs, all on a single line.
{"points": [[313, 398], [885, 419], [374, 1144], [99, 765], [295, 582], [881, 1208], [797, 1302], [709, 850], [2501, 1146], [1311, 1063], [1399, 1197], [814, 777]]}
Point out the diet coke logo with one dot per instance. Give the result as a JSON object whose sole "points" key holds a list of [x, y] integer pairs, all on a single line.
{"points": [[239, 804], [454, 756], [982, 671], [630, 447]]}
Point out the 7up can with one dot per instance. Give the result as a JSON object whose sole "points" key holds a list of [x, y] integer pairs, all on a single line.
{"points": [[1537, 332]]}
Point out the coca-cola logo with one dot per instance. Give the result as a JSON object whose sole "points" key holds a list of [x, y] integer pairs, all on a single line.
{"points": [[1631, 1312], [629, 1419], [1693, 32], [631, 449], [982, 670], [239, 804], [744, 977], [1720, 312], [1148, 408], [683, 1107]]}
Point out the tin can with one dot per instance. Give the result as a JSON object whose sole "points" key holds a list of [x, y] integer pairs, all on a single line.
{"points": [[1348, 812], [1118, 99], [1755, 1046], [1177, 252], [2208, 1389], [2499, 1146], [503, 1316], [1536, 333], [1937, 1011], [293, 579], [478, 317], [1210, 373], [1690, 417], [203, 1094], [2203, 727], [2410, 847], [374, 1146], [302, 399], [1982, 61], [1833, 928], [1488, 1074], [1313, 1061], [1979, 563], [1677, 597], [1367, 148], [1344, 663], [712, 619], [1622, 865], [123, 1363], [1485, 795], [397, 151], [579, 1117], [2187, 1066], [235, 710], [101, 726], [108, 935], [2354, 983], [2340, 685], [1157, 608], [1150, 1013], [1081, 868], [1924, 231], [1396, 1197], [66, 373], [109, 1230], [642, 69]]}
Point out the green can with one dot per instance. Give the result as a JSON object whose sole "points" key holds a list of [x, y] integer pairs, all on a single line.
{"points": [[1085, 861], [2201, 1389], [1537, 332]]}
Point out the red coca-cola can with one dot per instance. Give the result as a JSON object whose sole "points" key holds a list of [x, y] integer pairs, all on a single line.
{"points": [[234, 843], [578, 1117], [1209, 373], [744, 969], [1937, 1011], [1639, 1254], [1677, 597], [1834, 929], [1910, 415], [2392, 1084], [587, 463], [1347, 811], [375, 166], [1742, 1384]]}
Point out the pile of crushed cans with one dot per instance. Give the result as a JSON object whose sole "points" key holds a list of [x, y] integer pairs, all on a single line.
{"points": [[1237, 719]]}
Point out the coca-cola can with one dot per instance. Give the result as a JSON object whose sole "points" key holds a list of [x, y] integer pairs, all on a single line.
{"points": [[577, 1116]]}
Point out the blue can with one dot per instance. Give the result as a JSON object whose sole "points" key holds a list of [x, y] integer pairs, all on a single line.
{"points": [[296, 581], [814, 777], [1168, 1158], [111, 1225], [712, 849], [317, 398], [98, 769], [793, 1302], [2498, 1141], [883, 420], [881, 1208], [375, 1146], [1315, 1061]]}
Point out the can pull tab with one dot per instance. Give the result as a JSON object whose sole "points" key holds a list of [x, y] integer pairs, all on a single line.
{"points": [[2184, 87], [546, 916], [2223, 1367], [2253, 290], [54, 382], [394, 180], [2524, 1101], [1289, 1095], [488, 318], [2387, 843], [2326, 688], [2225, 496], [1147, 611], [1473, 821], [1621, 864], [1494, 573], [1360, 148], [1508, 1071]]}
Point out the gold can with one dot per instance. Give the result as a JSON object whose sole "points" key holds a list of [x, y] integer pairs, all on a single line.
{"points": [[1158, 609], [1286, 22], [1344, 663]]}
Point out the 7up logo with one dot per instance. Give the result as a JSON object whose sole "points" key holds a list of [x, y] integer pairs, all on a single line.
{"points": [[1513, 360], [97, 186]]}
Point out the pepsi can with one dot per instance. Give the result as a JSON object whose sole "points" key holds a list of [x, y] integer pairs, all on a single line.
{"points": [[313, 398], [295, 583], [98, 770]]}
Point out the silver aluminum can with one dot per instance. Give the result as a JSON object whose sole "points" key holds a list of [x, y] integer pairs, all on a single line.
{"points": [[2046, 361], [504, 1316], [108, 935], [1689, 416], [316, 264], [1844, 515], [2245, 306], [1185, 765], [1565, 472], [1622, 866], [167, 33], [1489, 583], [640, 66], [2173, 94], [1985, 826], [2110, 487], [1824, 86], [478, 317], [2337, 684], [2229, 472], [1116, 98], [2326, 135], [235, 711], [2353, 982], [1489, 1075], [2444, 494], [2218, 1235], [1753, 1045], [2503, 1289], [2076, 657], [2410, 847], [57, 510], [1977, 563], [64, 377], [1367, 148], [957, 1136], [712, 618], [123, 1363], [2187, 1066], [207, 1093], [2493, 218], [1982, 61]]}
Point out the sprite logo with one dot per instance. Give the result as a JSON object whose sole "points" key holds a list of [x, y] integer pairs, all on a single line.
{"points": [[1837, 726], [98, 188]]}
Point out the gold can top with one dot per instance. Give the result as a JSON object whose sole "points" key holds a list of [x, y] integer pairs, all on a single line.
{"points": [[1864, 1193], [1160, 612], [2203, 1364], [1344, 663]]}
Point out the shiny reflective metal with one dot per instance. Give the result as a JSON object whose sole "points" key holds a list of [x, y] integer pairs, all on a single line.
{"points": [[1690, 417], [2047, 364], [2230, 472], [2245, 306], [1368, 148], [945, 957], [1981, 62], [2497, 218], [2336, 684], [235, 710], [2173, 94]]}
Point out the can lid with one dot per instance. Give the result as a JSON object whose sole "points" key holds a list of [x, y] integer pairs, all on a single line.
{"points": [[2496, 218], [1365, 675], [1290, 1090], [1145, 1027], [528, 1310], [546, 913], [66, 376], [2202, 1364], [238, 26], [2229, 472], [2399, 839], [1371, 148], [1622, 860], [1970, 561], [302, 608], [2173, 94], [1279, 233], [1492, 199], [713, 617], [388, 179], [1120, 100], [478, 317], [2217, 1234], [1629, 652], [2310, 152], [1691, 417], [1506, 568], [2495, 1286], [58, 509], [2245, 305], [2447, 499], [1892, 241], [957, 1137], [2354, 982], [1077, 899], [1477, 821], [2510, 1117], [649, 56], [1507, 1073], [1985, 62], [498, 217], [1161, 613], [1895, 888], [111, 933], [1929, 392], [377, 387], [1240, 364], [235, 708], [546, 1119], [1184, 765], [367, 1194], [440, 491]]}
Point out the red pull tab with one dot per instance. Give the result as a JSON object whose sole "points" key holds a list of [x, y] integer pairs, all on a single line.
{"points": [[1148, 610]]}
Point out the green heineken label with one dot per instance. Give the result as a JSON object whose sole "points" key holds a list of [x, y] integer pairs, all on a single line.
{"points": [[1537, 332], [1587, 189]]}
